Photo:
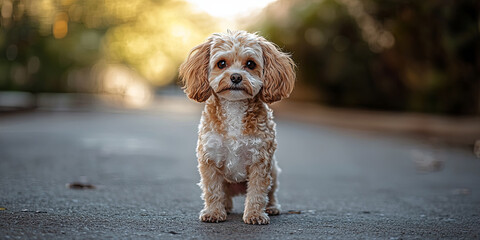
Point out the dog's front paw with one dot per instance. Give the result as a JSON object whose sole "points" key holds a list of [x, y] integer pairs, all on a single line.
{"points": [[213, 215], [256, 218], [272, 210]]}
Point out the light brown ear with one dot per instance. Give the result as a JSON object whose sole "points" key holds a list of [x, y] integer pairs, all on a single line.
{"points": [[194, 73], [278, 73]]}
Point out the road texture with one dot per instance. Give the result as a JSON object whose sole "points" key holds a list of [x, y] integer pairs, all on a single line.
{"points": [[335, 184]]}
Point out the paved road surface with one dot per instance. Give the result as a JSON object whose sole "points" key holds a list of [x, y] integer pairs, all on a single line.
{"points": [[338, 184]]}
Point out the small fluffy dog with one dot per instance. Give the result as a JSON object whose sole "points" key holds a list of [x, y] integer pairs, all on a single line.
{"points": [[237, 74]]}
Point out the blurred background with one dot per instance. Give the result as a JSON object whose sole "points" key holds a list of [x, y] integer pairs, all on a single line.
{"points": [[407, 56]]}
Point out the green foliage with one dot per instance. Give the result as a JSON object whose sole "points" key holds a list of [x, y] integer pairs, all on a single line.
{"points": [[397, 55], [37, 62], [52, 46]]}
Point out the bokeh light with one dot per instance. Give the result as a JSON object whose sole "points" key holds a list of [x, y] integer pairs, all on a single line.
{"points": [[60, 26], [123, 84], [230, 9]]}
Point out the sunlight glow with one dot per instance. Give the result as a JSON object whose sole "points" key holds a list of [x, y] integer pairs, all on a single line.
{"points": [[230, 9], [123, 84]]}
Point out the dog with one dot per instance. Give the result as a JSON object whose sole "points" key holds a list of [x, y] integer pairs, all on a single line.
{"points": [[237, 74]]}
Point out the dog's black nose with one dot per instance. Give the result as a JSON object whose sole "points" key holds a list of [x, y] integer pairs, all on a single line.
{"points": [[236, 78]]}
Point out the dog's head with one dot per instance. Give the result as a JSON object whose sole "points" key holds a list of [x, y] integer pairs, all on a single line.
{"points": [[237, 66]]}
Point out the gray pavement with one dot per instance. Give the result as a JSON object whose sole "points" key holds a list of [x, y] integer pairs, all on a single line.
{"points": [[335, 184]]}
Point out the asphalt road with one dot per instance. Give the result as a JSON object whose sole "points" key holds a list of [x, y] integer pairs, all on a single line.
{"points": [[335, 184]]}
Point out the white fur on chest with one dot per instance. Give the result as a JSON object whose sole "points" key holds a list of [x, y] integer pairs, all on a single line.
{"points": [[235, 151]]}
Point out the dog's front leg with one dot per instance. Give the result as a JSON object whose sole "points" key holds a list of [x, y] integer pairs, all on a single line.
{"points": [[259, 181], [213, 193]]}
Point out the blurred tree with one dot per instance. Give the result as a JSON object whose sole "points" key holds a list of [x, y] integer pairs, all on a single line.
{"points": [[397, 55], [158, 40], [51, 45]]}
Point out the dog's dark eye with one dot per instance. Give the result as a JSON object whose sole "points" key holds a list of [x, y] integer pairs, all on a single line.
{"points": [[251, 64], [221, 64]]}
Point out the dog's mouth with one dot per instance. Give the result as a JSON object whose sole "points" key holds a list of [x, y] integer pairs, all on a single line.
{"points": [[234, 88]]}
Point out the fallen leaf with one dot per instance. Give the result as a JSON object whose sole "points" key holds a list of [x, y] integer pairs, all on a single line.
{"points": [[2, 209], [78, 185], [294, 212]]}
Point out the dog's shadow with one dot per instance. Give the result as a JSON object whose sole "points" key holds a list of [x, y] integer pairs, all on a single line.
{"points": [[232, 226], [235, 217]]}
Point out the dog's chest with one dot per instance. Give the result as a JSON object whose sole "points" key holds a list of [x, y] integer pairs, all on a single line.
{"points": [[232, 150], [234, 113]]}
